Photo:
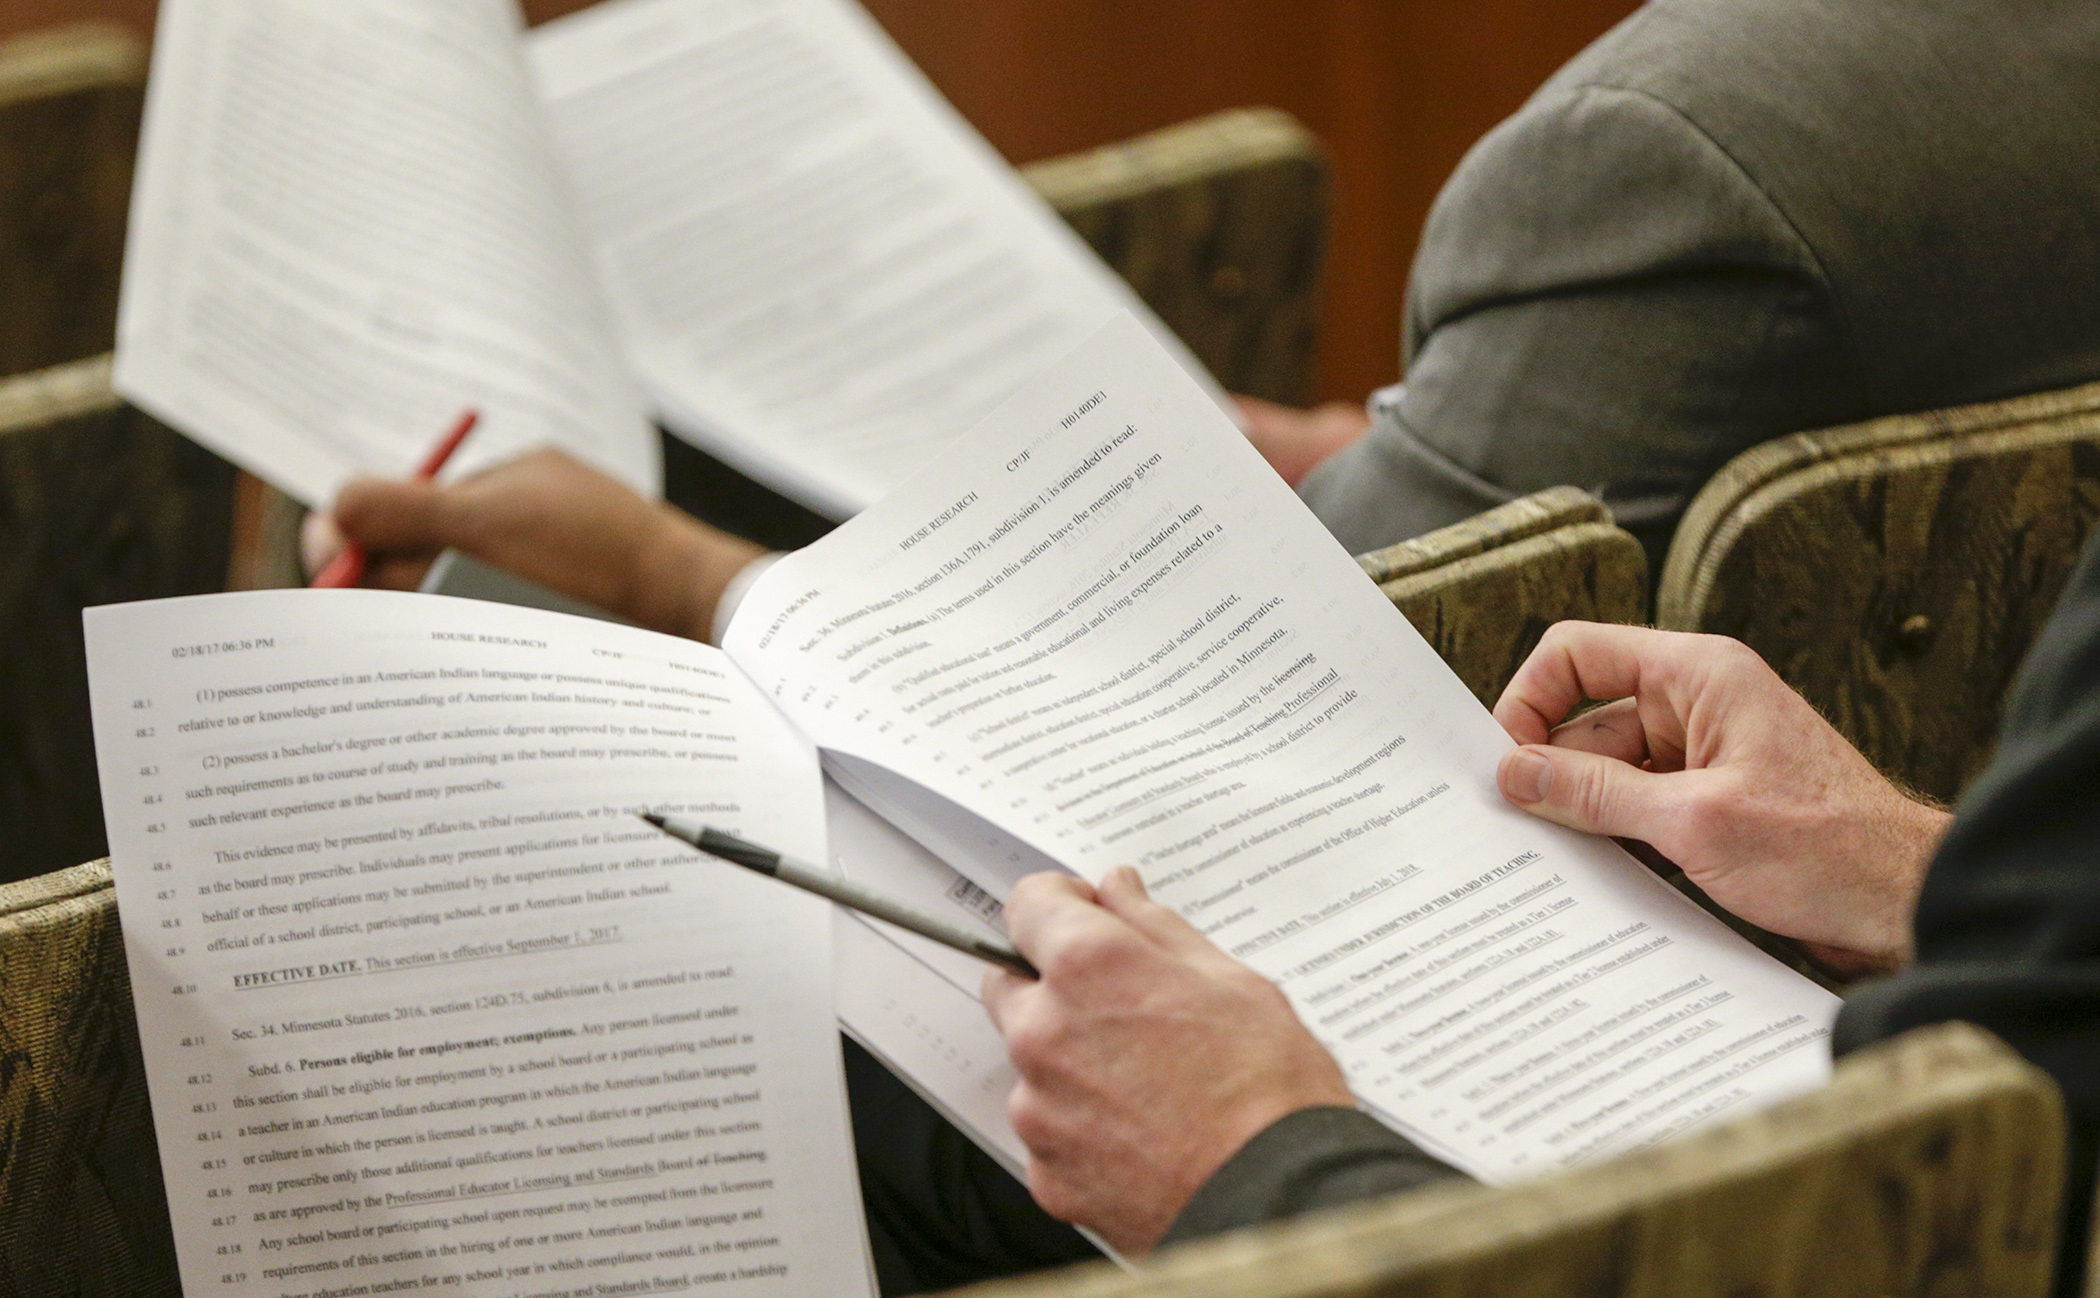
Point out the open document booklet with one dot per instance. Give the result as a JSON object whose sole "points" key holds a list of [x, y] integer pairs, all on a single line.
{"points": [[354, 217], [420, 997]]}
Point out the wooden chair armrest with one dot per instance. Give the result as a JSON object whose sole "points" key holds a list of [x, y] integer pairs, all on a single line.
{"points": [[22, 896], [75, 56], [57, 394], [1687, 580], [1482, 591], [1525, 516], [1220, 224]]}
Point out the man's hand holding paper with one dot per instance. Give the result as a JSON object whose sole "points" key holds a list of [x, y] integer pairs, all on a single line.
{"points": [[1147, 1056]]}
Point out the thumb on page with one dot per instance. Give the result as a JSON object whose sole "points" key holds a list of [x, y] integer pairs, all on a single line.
{"points": [[1588, 791]]}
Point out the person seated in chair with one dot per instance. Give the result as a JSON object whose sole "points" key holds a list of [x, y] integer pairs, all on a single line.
{"points": [[1208, 1106], [1168, 1092], [1726, 221]]}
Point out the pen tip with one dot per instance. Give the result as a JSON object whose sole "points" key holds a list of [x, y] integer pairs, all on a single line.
{"points": [[653, 819]]}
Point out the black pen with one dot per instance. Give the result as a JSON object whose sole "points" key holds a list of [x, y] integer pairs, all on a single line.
{"points": [[850, 895]]}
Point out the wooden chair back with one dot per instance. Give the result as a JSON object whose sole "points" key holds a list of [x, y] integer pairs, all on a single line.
{"points": [[1220, 224], [1931, 1165], [1895, 572], [70, 103], [98, 504], [1483, 590]]}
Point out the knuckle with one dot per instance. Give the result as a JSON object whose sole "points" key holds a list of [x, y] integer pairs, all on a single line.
{"points": [[1734, 658], [1082, 955], [1023, 1116], [1557, 642], [1032, 889], [1704, 812], [1589, 794], [1054, 1194], [473, 520], [352, 504], [1093, 947], [1032, 1121], [1034, 1041], [1245, 984], [1560, 632], [1269, 993]]}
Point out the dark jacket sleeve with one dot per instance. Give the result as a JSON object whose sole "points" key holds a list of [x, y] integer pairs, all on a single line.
{"points": [[1315, 1158], [1601, 297], [2008, 925]]}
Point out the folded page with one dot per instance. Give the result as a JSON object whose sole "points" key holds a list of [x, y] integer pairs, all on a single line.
{"points": [[914, 1003]]}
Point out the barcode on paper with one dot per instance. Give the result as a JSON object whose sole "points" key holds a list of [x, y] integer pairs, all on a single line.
{"points": [[975, 900]]}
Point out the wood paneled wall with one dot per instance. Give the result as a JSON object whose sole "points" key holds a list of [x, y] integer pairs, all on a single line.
{"points": [[1397, 88]]}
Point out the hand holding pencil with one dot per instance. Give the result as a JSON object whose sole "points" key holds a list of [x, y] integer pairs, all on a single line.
{"points": [[551, 519], [348, 566]]}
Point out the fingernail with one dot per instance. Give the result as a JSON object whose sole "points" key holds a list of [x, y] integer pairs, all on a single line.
{"points": [[1131, 877], [1526, 777]]}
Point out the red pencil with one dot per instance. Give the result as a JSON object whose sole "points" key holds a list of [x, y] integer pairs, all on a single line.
{"points": [[348, 567]]}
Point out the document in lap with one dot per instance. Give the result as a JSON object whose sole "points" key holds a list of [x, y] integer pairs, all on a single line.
{"points": [[422, 1002], [355, 217], [403, 958]]}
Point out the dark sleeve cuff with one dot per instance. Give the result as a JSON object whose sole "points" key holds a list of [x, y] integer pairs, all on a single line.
{"points": [[2049, 1013], [1315, 1158]]}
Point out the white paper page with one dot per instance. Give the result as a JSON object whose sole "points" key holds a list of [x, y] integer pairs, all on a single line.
{"points": [[822, 273], [1104, 625], [347, 227], [422, 1003], [913, 1003]]}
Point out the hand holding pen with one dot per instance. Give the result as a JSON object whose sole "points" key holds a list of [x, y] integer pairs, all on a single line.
{"points": [[824, 884]]}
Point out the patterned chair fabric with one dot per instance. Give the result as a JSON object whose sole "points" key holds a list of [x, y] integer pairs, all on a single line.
{"points": [[1483, 590], [82, 1211], [1895, 572]]}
